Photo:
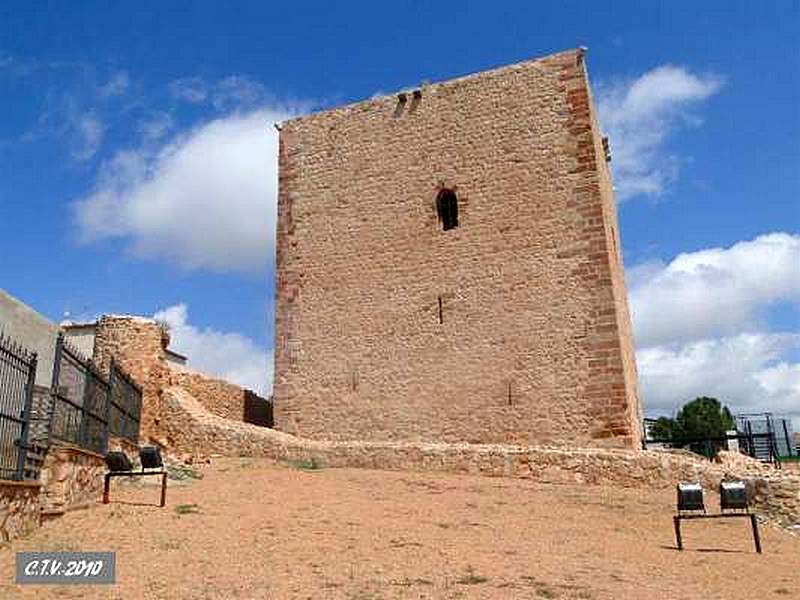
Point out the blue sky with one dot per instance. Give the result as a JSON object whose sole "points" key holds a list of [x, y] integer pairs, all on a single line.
{"points": [[130, 177]]}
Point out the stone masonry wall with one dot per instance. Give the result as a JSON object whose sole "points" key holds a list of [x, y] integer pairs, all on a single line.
{"points": [[624, 402], [196, 433], [220, 397], [137, 344], [71, 478], [20, 509], [512, 327]]}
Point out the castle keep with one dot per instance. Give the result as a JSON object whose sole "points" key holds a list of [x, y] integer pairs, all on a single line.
{"points": [[449, 267]]}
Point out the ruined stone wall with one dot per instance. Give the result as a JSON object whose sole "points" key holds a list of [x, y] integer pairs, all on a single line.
{"points": [[193, 430], [510, 328], [137, 344], [195, 433], [216, 395]]}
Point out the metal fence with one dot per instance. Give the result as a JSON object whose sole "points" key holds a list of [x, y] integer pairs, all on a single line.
{"points": [[125, 405], [778, 431], [88, 407], [80, 400], [709, 446], [17, 376], [82, 407]]}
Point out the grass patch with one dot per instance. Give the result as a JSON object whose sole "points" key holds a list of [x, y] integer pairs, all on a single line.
{"points": [[307, 464], [408, 582], [181, 472], [543, 590], [170, 544], [244, 465], [187, 509], [402, 543], [360, 595], [471, 578]]}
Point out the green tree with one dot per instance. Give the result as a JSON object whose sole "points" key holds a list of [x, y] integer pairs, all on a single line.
{"points": [[701, 419], [663, 429], [704, 417]]}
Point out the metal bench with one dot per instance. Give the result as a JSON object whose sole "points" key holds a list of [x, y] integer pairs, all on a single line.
{"points": [[733, 503], [119, 465]]}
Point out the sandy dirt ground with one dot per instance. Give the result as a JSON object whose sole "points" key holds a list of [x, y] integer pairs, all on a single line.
{"points": [[255, 529]]}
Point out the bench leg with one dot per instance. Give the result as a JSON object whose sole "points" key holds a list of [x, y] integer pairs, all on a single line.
{"points": [[756, 537], [106, 486], [677, 522], [163, 489]]}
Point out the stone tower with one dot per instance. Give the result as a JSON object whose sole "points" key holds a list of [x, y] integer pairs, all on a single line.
{"points": [[449, 267]]}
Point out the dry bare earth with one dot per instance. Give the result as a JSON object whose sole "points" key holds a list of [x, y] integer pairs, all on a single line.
{"points": [[261, 530]]}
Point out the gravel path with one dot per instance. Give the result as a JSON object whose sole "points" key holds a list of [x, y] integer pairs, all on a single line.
{"points": [[254, 529]]}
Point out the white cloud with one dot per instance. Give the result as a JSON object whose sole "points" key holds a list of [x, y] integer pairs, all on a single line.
{"points": [[117, 85], [230, 356], [234, 91], [700, 324], [204, 199], [189, 89], [238, 91], [156, 126], [86, 135], [718, 291], [66, 117], [748, 372], [639, 115]]}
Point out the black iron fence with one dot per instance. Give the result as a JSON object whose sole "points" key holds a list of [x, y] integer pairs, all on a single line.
{"points": [[82, 407], [776, 435], [125, 405], [80, 400], [708, 447], [17, 376], [88, 407]]}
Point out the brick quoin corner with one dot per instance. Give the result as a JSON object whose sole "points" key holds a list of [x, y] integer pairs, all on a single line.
{"points": [[511, 327]]}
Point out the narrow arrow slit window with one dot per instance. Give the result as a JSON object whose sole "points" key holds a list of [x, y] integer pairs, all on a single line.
{"points": [[447, 209]]}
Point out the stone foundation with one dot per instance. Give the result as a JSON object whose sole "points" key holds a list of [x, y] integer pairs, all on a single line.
{"points": [[20, 509], [71, 478]]}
